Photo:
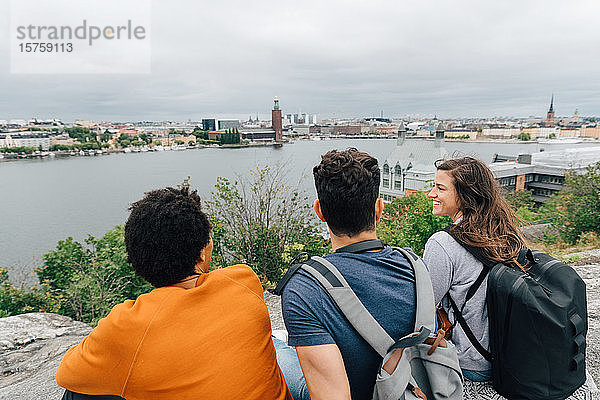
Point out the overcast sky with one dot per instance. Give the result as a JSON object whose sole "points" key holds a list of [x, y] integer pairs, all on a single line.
{"points": [[336, 58]]}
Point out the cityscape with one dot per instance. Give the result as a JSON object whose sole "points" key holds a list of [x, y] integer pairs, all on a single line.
{"points": [[51, 137]]}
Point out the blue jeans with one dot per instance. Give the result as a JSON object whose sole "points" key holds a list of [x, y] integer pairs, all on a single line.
{"points": [[290, 366], [477, 376]]}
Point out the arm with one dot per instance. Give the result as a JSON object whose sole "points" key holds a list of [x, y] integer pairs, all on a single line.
{"points": [[324, 372], [440, 268], [303, 307]]}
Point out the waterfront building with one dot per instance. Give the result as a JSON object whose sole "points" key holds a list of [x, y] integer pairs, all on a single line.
{"points": [[62, 139], [542, 173], [276, 120], [258, 134], [25, 140], [410, 167]]}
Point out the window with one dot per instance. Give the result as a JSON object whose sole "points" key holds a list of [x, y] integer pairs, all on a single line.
{"points": [[397, 185], [398, 170], [386, 182], [386, 169]]}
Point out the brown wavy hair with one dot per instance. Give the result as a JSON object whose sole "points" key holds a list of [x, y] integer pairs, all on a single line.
{"points": [[488, 221]]}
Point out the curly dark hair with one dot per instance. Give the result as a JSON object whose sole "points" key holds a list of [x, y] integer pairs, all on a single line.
{"points": [[347, 185], [165, 234]]}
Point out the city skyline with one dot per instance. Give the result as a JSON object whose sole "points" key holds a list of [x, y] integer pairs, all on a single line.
{"points": [[454, 60]]}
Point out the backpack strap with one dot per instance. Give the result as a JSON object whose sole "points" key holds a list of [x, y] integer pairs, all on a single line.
{"points": [[487, 266], [361, 247], [470, 335], [359, 317], [353, 309], [425, 310]]}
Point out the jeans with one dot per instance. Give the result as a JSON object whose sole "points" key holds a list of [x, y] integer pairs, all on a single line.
{"points": [[290, 366], [477, 376]]}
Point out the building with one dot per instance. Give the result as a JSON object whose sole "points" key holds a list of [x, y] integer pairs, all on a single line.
{"points": [[410, 167], [347, 130], [550, 115], [276, 120], [36, 141], [215, 135], [258, 134], [542, 173], [225, 124], [209, 124]]}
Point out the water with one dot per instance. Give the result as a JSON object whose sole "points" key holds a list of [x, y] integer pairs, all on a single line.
{"points": [[44, 201]]}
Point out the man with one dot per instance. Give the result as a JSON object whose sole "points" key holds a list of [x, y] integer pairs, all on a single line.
{"points": [[198, 335], [336, 361]]}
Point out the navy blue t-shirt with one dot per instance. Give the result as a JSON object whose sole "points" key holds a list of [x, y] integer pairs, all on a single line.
{"points": [[385, 284]]}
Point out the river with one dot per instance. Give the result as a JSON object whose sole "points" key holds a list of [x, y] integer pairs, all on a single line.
{"points": [[44, 201]]}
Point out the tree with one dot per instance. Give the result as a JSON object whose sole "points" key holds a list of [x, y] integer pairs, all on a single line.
{"points": [[90, 278], [17, 300], [260, 221], [408, 222], [580, 204], [524, 136], [520, 199]]}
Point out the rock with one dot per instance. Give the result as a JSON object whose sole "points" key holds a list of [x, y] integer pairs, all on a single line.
{"points": [[32, 345], [591, 276], [535, 233], [274, 306]]}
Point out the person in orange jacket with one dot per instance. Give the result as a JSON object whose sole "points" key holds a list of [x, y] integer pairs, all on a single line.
{"points": [[197, 335]]}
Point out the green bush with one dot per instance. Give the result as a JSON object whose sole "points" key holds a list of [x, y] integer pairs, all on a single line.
{"points": [[261, 222], [16, 300], [92, 277], [580, 204], [408, 222]]}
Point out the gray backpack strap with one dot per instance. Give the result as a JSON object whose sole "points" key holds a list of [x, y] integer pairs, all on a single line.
{"points": [[342, 294], [425, 313]]}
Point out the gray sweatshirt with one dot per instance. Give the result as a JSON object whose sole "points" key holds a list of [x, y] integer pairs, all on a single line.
{"points": [[453, 270]]}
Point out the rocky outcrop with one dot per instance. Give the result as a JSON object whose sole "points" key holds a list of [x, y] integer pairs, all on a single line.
{"points": [[32, 345]]}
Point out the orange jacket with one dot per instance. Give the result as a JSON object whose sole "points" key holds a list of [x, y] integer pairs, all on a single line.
{"points": [[209, 342]]}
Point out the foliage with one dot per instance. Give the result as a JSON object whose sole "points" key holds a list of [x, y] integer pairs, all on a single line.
{"points": [[260, 221], [520, 199], [408, 222], [18, 149], [524, 136], [58, 147], [200, 134], [82, 134], [232, 136], [90, 278], [17, 300], [580, 204]]}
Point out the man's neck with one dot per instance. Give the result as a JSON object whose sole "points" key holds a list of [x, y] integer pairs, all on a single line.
{"points": [[341, 241]]}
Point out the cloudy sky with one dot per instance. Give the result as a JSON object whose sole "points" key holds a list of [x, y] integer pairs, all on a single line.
{"points": [[451, 58]]}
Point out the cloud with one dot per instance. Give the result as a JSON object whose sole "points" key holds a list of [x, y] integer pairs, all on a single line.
{"points": [[450, 58]]}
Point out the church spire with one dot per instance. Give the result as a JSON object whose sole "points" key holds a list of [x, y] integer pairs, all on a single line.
{"points": [[551, 110]]}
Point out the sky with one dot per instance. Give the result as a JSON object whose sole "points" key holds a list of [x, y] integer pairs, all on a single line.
{"points": [[226, 58]]}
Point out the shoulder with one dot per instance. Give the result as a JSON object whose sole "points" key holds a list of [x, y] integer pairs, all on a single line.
{"points": [[240, 274], [442, 238]]}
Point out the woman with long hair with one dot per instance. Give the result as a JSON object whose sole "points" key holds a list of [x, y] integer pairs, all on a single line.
{"points": [[466, 191]]}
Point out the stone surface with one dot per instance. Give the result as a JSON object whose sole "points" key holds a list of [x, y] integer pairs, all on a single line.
{"points": [[32, 345]]}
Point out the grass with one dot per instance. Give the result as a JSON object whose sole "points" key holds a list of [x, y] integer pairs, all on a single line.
{"points": [[560, 250]]}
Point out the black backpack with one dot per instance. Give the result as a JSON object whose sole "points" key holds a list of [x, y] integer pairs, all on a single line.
{"points": [[537, 324]]}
